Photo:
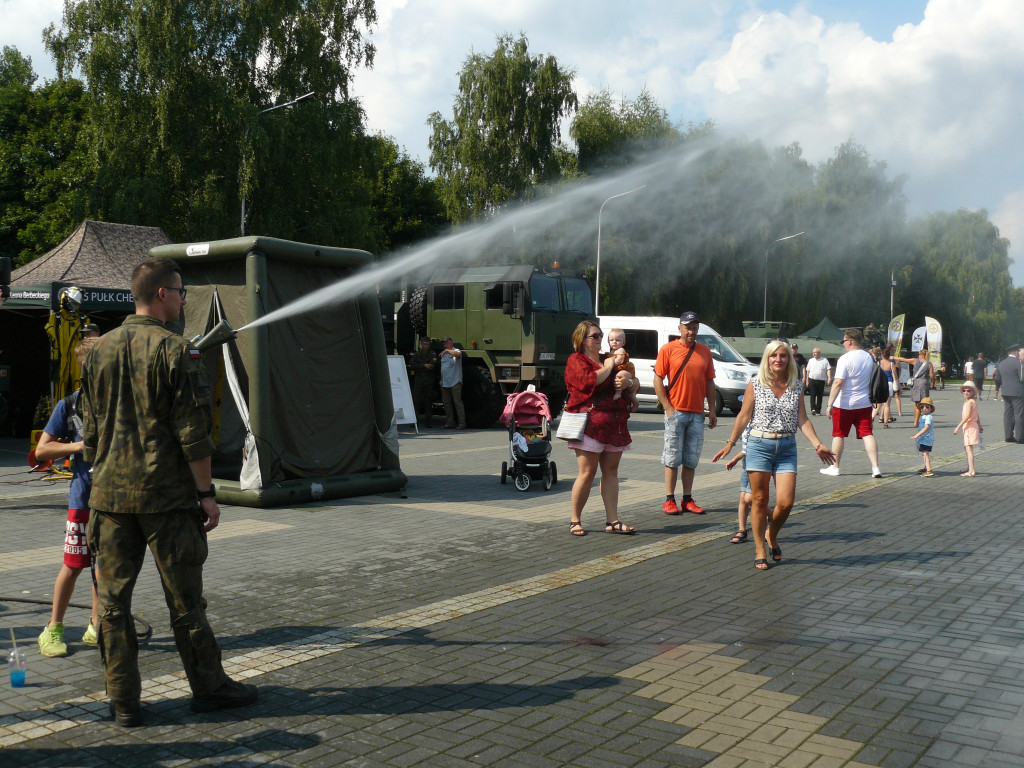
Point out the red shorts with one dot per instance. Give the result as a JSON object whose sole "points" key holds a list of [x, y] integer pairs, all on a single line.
{"points": [[843, 419], [76, 551]]}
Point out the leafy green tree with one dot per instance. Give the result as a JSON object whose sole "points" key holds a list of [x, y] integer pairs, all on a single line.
{"points": [[175, 89], [503, 137], [403, 200], [45, 166], [611, 133]]}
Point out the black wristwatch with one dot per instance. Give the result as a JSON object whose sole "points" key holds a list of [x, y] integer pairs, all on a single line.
{"points": [[208, 494]]}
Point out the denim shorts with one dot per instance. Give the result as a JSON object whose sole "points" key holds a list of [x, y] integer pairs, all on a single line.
{"points": [[684, 439], [776, 456], [744, 479]]}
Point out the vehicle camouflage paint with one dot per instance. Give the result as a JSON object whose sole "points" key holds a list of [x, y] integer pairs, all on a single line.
{"points": [[514, 325]]}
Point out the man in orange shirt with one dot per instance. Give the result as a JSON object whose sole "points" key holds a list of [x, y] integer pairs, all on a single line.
{"points": [[690, 370]]}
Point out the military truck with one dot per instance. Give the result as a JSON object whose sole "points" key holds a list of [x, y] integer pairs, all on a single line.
{"points": [[513, 324]]}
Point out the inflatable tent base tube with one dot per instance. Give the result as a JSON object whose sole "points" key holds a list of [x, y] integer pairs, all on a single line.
{"points": [[308, 489]]}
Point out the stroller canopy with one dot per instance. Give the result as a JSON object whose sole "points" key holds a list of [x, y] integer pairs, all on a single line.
{"points": [[527, 408]]}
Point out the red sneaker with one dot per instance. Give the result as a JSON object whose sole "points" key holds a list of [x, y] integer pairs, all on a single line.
{"points": [[692, 508], [670, 507]]}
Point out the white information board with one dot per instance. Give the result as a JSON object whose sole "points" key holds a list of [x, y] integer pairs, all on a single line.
{"points": [[401, 395]]}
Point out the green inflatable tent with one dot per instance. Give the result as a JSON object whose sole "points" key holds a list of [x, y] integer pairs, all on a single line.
{"points": [[303, 406]]}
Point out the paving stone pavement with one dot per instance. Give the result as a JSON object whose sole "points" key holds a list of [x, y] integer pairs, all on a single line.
{"points": [[458, 624]]}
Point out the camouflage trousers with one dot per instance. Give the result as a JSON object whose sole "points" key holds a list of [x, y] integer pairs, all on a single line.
{"points": [[118, 544]]}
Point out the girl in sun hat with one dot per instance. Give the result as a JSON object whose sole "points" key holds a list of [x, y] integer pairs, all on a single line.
{"points": [[970, 424], [925, 439]]}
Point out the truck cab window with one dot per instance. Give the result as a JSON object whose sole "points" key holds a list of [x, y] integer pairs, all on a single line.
{"points": [[577, 296], [544, 293]]}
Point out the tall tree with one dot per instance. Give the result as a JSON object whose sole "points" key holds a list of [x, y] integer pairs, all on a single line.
{"points": [[46, 169], [611, 133], [176, 88], [503, 137]]}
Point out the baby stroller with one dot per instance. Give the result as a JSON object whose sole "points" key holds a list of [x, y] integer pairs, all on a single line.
{"points": [[528, 419]]}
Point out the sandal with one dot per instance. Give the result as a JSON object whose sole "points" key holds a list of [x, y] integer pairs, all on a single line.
{"points": [[761, 564], [966, 474], [617, 527], [776, 554], [579, 525], [739, 537]]}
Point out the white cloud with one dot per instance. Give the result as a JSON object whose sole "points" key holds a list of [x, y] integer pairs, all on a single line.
{"points": [[940, 102]]}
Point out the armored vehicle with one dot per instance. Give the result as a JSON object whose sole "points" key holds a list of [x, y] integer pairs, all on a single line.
{"points": [[513, 324]]}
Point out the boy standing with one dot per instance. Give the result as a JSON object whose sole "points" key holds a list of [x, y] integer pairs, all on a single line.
{"points": [[66, 424]]}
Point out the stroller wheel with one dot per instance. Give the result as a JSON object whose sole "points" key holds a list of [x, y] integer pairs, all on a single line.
{"points": [[554, 473], [504, 472], [547, 479], [523, 481]]}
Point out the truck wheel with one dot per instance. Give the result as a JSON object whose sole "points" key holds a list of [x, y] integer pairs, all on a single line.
{"points": [[556, 400], [735, 410], [719, 403], [418, 309], [483, 403]]}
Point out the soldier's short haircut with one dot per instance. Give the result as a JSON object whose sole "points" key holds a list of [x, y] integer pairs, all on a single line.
{"points": [[150, 276]]}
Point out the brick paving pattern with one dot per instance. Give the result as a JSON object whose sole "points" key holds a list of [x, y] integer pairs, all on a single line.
{"points": [[459, 624]]}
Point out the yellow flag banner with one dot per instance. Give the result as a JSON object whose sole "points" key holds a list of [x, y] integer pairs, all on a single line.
{"points": [[895, 334], [934, 341]]}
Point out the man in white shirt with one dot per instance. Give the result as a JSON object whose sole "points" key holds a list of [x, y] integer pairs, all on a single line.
{"points": [[849, 401], [817, 374]]}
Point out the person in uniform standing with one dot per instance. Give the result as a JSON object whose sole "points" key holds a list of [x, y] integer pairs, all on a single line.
{"points": [[146, 406], [424, 366]]}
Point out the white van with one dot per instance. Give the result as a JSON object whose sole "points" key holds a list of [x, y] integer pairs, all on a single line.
{"points": [[646, 335]]}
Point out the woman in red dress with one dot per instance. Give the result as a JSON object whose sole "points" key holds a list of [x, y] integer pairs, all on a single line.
{"points": [[591, 385]]}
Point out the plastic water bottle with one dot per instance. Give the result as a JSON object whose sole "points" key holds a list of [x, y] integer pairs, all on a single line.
{"points": [[17, 665]]}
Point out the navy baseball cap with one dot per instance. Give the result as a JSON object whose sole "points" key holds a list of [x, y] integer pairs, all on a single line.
{"points": [[688, 317]]}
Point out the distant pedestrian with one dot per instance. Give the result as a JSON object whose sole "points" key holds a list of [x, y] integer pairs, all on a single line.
{"points": [[1011, 371], [970, 424], [978, 374], [849, 402], [817, 375], [451, 385], [801, 363], [424, 364], [925, 439]]}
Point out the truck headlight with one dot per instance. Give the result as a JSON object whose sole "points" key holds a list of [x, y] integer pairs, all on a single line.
{"points": [[736, 375]]}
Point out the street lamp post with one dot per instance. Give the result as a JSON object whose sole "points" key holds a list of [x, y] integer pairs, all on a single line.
{"points": [[245, 139], [766, 250], [597, 277], [892, 291]]}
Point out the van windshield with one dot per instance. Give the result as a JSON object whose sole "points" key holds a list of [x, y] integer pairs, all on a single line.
{"points": [[720, 350]]}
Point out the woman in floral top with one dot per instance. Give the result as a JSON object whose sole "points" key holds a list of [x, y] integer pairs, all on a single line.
{"points": [[591, 386], [773, 405]]}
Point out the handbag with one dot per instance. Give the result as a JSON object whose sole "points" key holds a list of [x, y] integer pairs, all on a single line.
{"points": [[572, 425]]}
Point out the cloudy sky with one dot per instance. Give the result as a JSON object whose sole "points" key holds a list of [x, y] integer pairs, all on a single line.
{"points": [[934, 88]]}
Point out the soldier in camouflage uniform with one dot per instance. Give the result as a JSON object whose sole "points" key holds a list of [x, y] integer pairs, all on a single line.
{"points": [[424, 364], [146, 405]]}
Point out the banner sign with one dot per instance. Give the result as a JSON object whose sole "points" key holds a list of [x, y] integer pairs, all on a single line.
{"points": [[934, 341], [918, 339], [895, 334]]}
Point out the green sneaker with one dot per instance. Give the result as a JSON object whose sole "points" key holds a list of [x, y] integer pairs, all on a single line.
{"points": [[91, 636], [51, 641]]}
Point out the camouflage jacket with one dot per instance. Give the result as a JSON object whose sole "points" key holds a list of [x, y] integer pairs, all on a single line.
{"points": [[146, 406]]}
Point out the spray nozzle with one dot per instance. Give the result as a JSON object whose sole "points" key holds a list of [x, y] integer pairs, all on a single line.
{"points": [[221, 333]]}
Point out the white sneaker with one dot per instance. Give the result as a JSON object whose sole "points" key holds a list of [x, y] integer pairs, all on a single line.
{"points": [[876, 472], [832, 471]]}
